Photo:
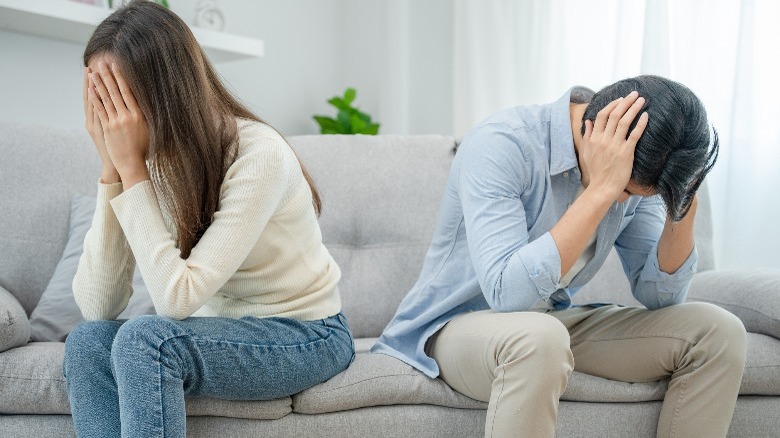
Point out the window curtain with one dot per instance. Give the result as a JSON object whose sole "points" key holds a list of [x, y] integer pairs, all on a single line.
{"points": [[514, 52]]}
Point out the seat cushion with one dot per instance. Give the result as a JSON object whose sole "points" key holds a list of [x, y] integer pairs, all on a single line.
{"points": [[31, 382], [378, 379]]}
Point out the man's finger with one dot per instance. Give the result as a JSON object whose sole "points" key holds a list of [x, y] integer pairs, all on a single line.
{"points": [[628, 118], [636, 133], [619, 111], [601, 117]]}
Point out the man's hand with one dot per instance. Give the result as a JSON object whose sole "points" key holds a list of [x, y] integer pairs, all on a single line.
{"points": [[124, 127], [607, 154]]}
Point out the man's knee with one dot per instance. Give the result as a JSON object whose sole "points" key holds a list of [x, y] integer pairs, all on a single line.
{"points": [[535, 339], [721, 330]]}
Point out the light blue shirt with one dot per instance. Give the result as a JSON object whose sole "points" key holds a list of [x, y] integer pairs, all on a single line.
{"points": [[512, 179]]}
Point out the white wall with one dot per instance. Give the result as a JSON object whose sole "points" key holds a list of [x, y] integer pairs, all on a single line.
{"points": [[397, 53]]}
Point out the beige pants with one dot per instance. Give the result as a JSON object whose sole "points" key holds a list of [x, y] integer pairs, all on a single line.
{"points": [[520, 362]]}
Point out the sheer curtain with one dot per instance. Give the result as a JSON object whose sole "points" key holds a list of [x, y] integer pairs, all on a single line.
{"points": [[510, 52]]}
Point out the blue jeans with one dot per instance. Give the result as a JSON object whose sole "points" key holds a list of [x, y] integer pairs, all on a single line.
{"points": [[130, 378]]}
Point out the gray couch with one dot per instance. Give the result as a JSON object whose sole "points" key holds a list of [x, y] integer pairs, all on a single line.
{"points": [[380, 196]]}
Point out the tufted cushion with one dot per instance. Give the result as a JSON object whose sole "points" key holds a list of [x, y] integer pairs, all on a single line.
{"points": [[380, 198]]}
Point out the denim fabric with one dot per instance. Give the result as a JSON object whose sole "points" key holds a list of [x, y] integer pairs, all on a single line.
{"points": [[130, 378], [513, 178]]}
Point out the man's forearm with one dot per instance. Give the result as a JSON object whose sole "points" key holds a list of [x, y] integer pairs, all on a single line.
{"points": [[578, 224], [676, 242]]}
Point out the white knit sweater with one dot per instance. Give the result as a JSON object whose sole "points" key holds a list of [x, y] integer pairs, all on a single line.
{"points": [[261, 256]]}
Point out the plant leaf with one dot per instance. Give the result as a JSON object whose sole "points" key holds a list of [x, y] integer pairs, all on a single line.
{"points": [[372, 129], [345, 121], [338, 103], [349, 95], [327, 125], [358, 125]]}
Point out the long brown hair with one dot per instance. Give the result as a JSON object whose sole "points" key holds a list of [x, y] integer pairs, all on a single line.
{"points": [[193, 136]]}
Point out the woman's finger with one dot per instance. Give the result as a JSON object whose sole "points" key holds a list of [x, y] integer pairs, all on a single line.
{"points": [[113, 90], [127, 94], [89, 109], [86, 86], [102, 95], [97, 103]]}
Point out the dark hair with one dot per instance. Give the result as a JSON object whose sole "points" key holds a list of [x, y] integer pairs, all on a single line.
{"points": [[676, 150], [191, 116]]}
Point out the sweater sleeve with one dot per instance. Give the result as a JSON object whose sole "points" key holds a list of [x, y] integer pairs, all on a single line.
{"points": [[252, 191], [102, 285]]}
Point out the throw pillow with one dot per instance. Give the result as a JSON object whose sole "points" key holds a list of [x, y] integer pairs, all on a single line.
{"points": [[57, 313], [14, 327]]}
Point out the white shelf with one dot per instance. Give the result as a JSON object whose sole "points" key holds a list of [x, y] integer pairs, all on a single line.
{"points": [[72, 21]]}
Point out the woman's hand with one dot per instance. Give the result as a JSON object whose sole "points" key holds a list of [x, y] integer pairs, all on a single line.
{"points": [[124, 127], [109, 174], [607, 153]]}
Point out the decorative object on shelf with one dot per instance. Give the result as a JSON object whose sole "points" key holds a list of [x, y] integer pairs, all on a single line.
{"points": [[209, 15], [114, 4], [350, 120]]}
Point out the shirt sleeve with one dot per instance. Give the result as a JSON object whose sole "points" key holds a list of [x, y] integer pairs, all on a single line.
{"points": [[252, 191], [102, 285], [637, 247], [514, 273]]}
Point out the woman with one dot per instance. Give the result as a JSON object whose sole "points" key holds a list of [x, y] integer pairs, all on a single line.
{"points": [[221, 218]]}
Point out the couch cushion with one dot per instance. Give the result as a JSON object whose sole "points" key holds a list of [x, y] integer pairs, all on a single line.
{"points": [[378, 380], [762, 367], [31, 382], [380, 197], [14, 326]]}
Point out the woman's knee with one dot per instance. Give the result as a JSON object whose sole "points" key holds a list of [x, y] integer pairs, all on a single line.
{"points": [[88, 342], [142, 338]]}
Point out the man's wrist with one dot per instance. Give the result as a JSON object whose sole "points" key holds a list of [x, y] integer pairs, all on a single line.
{"points": [[598, 197]]}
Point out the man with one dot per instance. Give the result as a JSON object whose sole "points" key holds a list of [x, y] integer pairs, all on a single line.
{"points": [[535, 199]]}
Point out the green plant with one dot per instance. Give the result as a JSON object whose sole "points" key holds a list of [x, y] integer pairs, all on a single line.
{"points": [[350, 120], [162, 2]]}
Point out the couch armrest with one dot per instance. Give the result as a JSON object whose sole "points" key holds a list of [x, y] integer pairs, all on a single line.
{"points": [[14, 325], [753, 295]]}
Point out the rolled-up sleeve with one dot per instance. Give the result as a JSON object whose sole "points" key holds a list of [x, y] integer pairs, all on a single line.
{"points": [[637, 247], [513, 272]]}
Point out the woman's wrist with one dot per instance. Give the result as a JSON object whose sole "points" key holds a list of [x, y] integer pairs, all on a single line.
{"points": [[133, 176], [110, 176]]}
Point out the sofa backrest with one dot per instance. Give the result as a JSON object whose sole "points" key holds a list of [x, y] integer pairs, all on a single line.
{"points": [[41, 168], [380, 197]]}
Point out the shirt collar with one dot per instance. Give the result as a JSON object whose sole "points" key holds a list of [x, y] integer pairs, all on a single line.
{"points": [[562, 156]]}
